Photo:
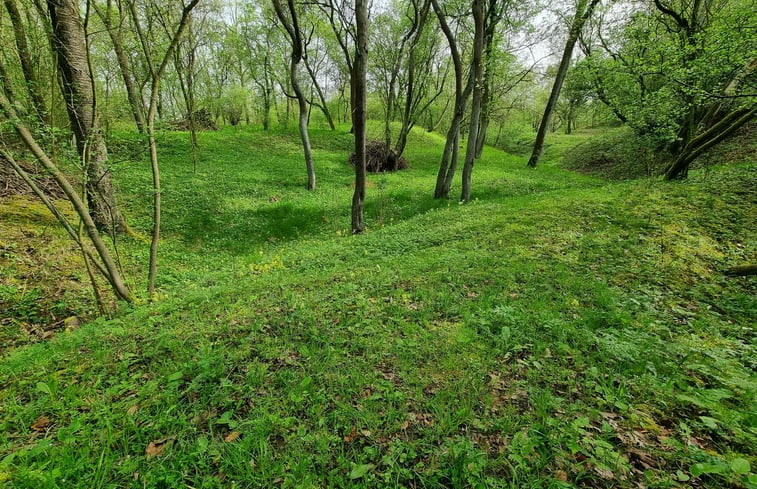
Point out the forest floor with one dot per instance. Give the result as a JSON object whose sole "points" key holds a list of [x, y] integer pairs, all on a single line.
{"points": [[562, 330]]}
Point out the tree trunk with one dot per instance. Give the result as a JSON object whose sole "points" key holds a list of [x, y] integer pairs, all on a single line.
{"points": [[358, 85], [448, 164], [478, 48], [186, 83], [115, 33], [292, 27], [27, 64], [741, 271], [324, 106], [79, 94], [492, 19], [155, 77], [409, 113], [583, 12], [717, 133]]}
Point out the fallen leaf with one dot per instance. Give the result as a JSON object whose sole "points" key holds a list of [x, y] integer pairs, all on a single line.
{"points": [[156, 448], [604, 472], [644, 459], [231, 436], [41, 424], [132, 410], [405, 424], [351, 436]]}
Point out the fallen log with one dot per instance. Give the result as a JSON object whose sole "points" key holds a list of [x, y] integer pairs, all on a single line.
{"points": [[741, 271]]}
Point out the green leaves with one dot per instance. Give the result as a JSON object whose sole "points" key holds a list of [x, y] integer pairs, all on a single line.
{"points": [[740, 466], [359, 471], [708, 468]]}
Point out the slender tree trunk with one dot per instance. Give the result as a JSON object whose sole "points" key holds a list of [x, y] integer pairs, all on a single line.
{"points": [[27, 64], [303, 126], [583, 12], [186, 83], [266, 110], [492, 19], [475, 117], [409, 113], [156, 75], [448, 164], [115, 33], [79, 95], [741, 271], [389, 112], [7, 82], [292, 27], [324, 106], [358, 85]]}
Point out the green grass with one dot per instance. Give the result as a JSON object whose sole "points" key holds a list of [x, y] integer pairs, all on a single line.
{"points": [[559, 331]]}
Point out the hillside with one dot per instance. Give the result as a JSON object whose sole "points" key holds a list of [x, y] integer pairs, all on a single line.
{"points": [[561, 330]]}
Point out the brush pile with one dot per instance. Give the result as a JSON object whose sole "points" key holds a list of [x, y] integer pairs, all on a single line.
{"points": [[379, 158]]}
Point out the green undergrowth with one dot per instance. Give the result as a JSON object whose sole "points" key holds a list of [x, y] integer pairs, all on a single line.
{"points": [[559, 331]]}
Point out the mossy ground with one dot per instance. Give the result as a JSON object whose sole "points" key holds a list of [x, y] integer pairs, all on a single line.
{"points": [[559, 331]]}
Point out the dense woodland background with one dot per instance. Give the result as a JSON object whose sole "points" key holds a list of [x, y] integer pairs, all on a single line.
{"points": [[187, 296]]}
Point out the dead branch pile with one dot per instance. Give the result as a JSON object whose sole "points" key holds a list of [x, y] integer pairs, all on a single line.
{"points": [[379, 158], [11, 184], [203, 119]]}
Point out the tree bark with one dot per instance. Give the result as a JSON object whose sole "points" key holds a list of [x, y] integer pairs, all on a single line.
{"points": [[27, 65], [292, 27], [583, 12], [448, 165], [478, 48], [741, 271], [155, 76], [79, 94], [358, 85], [186, 75], [493, 16], [412, 97], [116, 33]]}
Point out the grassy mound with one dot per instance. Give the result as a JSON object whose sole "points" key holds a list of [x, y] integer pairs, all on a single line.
{"points": [[559, 331], [618, 155]]}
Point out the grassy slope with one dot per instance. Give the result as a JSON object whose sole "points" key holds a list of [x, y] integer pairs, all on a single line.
{"points": [[560, 331]]}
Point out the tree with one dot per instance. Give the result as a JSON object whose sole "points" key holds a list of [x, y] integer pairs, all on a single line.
{"points": [[394, 39], [33, 85], [358, 85], [478, 89], [584, 9], [292, 27], [351, 35], [448, 165], [116, 32], [420, 74], [680, 74], [185, 62], [156, 74], [78, 89]]}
